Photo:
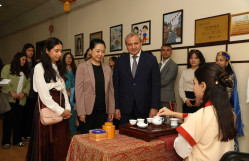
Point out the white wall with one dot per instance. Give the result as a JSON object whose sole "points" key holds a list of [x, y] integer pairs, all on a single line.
{"points": [[100, 16]]}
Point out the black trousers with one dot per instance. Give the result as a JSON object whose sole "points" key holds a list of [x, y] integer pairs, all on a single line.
{"points": [[12, 121], [135, 114], [94, 121], [28, 115]]}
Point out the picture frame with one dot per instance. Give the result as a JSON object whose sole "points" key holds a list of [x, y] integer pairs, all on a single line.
{"points": [[96, 35], [143, 29], [173, 27], [116, 38], [213, 29], [239, 24], [64, 51], [78, 39]]}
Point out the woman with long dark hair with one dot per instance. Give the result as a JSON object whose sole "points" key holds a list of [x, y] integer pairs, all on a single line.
{"points": [[50, 142], [208, 133], [69, 66], [29, 108], [18, 72], [94, 90], [195, 60]]}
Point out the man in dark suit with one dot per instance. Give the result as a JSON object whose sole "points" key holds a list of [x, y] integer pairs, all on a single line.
{"points": [[136, 79], [168, 71]]}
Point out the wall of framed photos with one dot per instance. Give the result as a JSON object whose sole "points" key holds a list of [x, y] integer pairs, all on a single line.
{"points": [[104, 14]]}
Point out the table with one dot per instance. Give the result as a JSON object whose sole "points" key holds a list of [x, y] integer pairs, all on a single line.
{"points": [[121, 148]]}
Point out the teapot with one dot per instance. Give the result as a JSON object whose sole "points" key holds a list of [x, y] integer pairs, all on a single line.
{"points": [[157, 120]]}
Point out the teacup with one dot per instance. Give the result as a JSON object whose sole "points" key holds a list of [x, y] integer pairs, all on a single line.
{"points": [[157, 120], [132, 121], [140, 120], [149, 120], [174, 121]]}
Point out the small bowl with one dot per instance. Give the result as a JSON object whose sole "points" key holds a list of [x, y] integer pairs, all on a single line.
{"points": [[140, 120], [142, 125], [174, 121], [149, 120], [133, 122]]}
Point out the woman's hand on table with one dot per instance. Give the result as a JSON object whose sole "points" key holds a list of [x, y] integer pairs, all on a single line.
{"points": [[165, 112], [110, 117], [83, 118], [117, 114]]}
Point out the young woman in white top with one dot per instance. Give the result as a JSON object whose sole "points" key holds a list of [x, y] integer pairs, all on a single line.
{"points": [[208, 133], [186, 84], [50, 142]]}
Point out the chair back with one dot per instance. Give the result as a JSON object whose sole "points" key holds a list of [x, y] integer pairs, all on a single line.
{"points": [[231, 155]]}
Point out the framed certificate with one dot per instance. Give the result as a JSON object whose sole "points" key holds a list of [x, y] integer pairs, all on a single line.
{"points": [[212, 29], [239, 24]]}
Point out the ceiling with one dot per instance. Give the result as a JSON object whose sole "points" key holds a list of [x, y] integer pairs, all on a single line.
{"points": [[16, 15]]}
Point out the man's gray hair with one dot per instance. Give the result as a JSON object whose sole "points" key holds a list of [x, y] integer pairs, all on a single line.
{"points": [[131, 35]]}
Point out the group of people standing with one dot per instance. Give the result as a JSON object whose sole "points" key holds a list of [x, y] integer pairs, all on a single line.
{"points": [[135, 87], [21, 98]]}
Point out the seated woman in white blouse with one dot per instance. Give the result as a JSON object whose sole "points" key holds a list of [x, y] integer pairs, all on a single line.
{"points": [[208, 133]]}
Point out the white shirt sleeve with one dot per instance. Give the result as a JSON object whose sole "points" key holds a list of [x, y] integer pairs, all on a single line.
{"points": [[42, 88], [182, 147]]}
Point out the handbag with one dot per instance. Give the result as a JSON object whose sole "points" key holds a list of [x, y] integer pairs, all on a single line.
{"points": [[4, 102], [48, 116]]}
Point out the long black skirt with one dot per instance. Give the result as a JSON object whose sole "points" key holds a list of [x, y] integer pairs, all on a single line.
{"points": [[49, 142]]}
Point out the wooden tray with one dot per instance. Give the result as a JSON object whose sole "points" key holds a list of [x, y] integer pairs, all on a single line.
{"points": [[148, 133]]}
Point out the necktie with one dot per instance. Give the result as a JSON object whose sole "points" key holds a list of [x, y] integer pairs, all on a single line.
{"points": [[134, 66]]}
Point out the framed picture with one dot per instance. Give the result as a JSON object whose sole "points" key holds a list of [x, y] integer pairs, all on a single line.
{"points": [[143, 29], [96, 35], [64, 51], [116, 33], [239, 24], [172, 27], [79, 44], [212, 29]]}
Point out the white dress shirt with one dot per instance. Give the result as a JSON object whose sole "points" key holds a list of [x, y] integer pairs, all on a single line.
{"points": [[40, 86], [20, 83], [137, 59], [164, 63]]}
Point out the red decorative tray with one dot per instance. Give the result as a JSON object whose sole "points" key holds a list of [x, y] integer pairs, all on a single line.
{"points": [[148, 133]]}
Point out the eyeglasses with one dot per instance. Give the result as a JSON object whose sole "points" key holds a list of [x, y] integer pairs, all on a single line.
{"points": [[68, 58]]}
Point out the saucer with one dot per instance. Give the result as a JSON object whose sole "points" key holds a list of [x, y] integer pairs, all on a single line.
{"points": [[142, 125]]}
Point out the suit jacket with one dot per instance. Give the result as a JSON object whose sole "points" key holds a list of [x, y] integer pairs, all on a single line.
{"points": [[85, 89], [14, 84], [168, 77], [144, 88]]}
